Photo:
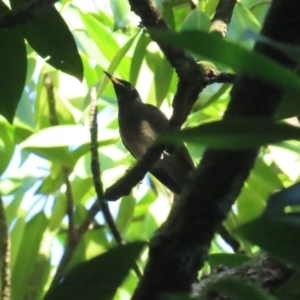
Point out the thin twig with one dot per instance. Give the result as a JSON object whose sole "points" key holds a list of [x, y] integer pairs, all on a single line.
{"points": [[222, 77], [25, 13], [70, 204], [95, 167], [4, 255]]}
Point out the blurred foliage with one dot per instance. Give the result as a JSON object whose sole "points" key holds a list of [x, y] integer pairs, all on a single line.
{"points": [[73, 44]]}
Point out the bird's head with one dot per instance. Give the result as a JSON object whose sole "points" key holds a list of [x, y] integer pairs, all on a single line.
{"points": [[125, 91]]}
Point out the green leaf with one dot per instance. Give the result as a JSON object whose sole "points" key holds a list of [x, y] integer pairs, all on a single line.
{"points": [[138, 57], [278, 235], [83, 189], [13, 67], [250, 205], [196, 20], [41, 270], [103, 39], [64, 136], [237, 289], [231, 260], [233, 55], [99, 277], [12, 209], [60, 155], [49, 35], [266, 175], [120, 11], [246, 18], [125, 212], [235, 133], [114, 64], [17, 185], [7, 145], [260, 10], [162, 79], [27, 254], [16, 235], [58, 212]]}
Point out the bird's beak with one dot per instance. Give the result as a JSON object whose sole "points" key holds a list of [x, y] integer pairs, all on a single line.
{"points": [[112, 78]]}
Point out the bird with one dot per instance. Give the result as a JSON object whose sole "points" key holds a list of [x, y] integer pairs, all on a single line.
{"points": [[139, 126]]}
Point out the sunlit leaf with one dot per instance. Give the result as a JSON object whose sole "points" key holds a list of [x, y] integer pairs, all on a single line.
{"points": [[7, 145], [64, 136], [16, 236], [120, 10], [246, 18], [103, 39], [125, 213], [29, 248], [114, 63], [138, 57], [12, 209], [196, 20]]}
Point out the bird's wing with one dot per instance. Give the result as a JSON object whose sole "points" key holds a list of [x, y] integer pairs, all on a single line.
{"points": [[159, 122]]}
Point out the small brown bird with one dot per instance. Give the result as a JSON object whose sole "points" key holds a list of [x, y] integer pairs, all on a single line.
{"points": [[139, 126]]}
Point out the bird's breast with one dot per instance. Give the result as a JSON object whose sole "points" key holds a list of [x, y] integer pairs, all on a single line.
{"points": [[137, 137]]}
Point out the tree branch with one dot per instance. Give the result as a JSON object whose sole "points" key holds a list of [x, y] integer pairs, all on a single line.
{"points": [[180, 246], [222, 16]]}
